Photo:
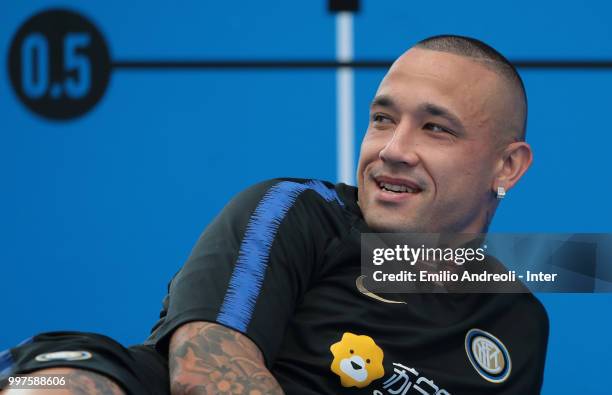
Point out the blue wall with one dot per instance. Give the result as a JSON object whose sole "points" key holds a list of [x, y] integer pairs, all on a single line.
{"points": [[97, 213]]}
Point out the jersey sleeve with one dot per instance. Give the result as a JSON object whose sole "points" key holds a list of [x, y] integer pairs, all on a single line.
{"points": [[252, 264]]}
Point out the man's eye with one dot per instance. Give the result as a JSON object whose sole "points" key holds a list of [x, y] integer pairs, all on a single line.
{"points": [[380, 118], [437, 128]]}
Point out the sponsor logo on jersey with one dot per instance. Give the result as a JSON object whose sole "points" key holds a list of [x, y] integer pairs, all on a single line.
{"points": [[63, 356], [357, 360], [408, 381], [488, 355]]}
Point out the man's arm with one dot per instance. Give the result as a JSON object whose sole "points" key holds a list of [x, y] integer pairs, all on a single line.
{"points": [[208, 358]]}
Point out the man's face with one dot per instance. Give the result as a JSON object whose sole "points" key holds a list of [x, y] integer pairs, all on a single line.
{"points": [[429, 157]]}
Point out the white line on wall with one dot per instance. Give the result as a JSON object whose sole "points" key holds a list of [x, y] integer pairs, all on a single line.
{"points": [[345, 127]]}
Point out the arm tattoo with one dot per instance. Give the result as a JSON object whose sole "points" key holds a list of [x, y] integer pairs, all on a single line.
{"points": [[83, 382], [207, 358]]}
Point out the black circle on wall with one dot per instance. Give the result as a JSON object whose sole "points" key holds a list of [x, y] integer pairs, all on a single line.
{"points": [[59, 65]]}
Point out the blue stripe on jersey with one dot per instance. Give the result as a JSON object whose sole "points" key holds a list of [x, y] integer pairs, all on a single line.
{"points": [[249, 271], [26, 341]]}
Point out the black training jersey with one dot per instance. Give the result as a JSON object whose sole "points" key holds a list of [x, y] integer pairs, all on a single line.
{"points": [[281, 264]]}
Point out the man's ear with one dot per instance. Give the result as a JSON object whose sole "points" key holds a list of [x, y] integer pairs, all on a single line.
{"points": [[514, 162]]}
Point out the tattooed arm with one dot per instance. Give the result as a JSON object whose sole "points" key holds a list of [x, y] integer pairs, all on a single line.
{"points": [[208, 358]]}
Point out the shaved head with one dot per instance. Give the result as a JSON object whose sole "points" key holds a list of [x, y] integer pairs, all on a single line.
{"points": [[514, 126]]}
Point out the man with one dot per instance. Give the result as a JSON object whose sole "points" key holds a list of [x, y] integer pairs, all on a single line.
{"points": [[268, 302]]}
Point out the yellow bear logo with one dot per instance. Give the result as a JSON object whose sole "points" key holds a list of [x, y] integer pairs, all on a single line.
{"points": [[357, 360]]}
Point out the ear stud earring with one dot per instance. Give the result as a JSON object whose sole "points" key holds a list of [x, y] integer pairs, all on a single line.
{"points": [[501, 192]]}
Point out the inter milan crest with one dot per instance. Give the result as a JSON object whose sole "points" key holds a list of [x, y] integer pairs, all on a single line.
{"points": [[488, 355]]}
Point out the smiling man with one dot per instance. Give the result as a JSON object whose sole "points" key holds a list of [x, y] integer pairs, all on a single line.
{"points": [[270, 300], [447, 124]]}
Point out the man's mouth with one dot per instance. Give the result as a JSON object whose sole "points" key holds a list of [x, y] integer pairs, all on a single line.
{"points": [[395, 188], [397, 185]]}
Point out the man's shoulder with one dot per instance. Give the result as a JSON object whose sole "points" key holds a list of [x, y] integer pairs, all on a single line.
{"points": [[539, 312], [288, 190], [297, 201], [529, 313], [316, 207]]}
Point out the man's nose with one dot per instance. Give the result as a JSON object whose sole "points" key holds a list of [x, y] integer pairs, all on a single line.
{"points": [[402, 147]]}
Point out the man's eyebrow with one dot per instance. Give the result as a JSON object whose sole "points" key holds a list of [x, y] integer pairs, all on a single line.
{"points": [[384, 101], [439, 111], [429, 108]]}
